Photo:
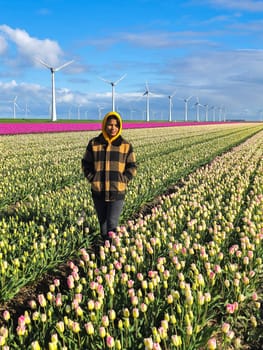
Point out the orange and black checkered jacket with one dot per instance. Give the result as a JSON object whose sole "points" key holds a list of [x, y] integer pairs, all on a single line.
{"points": [[109, 166]]}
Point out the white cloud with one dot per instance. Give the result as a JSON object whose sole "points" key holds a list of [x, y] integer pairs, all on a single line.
{"points": [[163, 39], [30, 47], [3, 45], [229, 78], [67, 97], [153, 39], [8, 85]]}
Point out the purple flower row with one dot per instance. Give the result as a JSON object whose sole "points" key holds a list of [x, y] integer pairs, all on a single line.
{"points": [[29, 128]]}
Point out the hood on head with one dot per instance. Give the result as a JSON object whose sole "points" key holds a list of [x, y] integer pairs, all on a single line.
{"points": [[104, 122]]}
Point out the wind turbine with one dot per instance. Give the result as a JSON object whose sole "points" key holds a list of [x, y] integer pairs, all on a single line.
{"points": [[214, 117], [79, 110], [147, 93], [206, 112], [170, 105], [197, 104], [220, 115], [132, 110], [113, 84], [69, 112], [53, 70], [186, 100], [100, 108], [224, 113], [214, 112], [27, 110], [15, 106]]}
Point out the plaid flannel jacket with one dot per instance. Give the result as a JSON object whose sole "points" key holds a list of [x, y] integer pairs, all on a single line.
{"points": [[109, 166]]}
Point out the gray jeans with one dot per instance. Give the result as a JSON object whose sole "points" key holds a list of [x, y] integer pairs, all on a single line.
{"points": [[108, 214]]}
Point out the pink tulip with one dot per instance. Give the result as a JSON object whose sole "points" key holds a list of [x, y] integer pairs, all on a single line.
{"points": [[105, 321], [42, 300], [211, 344], [231, 308], [130, 283], [70, 282], [89, 328], [76, 327], [110, 341], [6, 315], [57, 282], [21, 330], [58, 300], [60, 326], [21, 320], [225, 327], [148, 342]]}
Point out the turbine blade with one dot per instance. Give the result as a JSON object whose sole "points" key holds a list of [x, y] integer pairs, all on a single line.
{"points": [[180, 98], [116, 82], [147, 86], [106, 81], [63, 65], [18, 106], [44, 63]]}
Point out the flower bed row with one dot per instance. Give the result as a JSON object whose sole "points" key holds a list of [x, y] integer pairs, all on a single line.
{"points": [[45, 228], [29, 128], [185, 276], [53, 160]]}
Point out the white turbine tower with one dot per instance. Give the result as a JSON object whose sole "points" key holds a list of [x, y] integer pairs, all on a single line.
{"points": [[15, 106], [100, 108], [27, 110], [197, 105], [214, 112], [147, 93], [171, 105], [206, 112], [214, 115], [132, 110], [186, 100], [113, 84], [220, 116], [53, 70], [79, 105], [131, 113], [224, 113]]}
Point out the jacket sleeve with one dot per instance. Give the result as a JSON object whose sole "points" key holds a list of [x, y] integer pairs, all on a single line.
{"points": [[87, 163], [130, 167]]}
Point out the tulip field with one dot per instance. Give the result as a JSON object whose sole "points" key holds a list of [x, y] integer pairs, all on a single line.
{"points": [[184, 269]]}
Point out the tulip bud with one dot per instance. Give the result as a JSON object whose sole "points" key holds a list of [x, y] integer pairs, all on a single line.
{"points": [[89, 328], [211, 344]]}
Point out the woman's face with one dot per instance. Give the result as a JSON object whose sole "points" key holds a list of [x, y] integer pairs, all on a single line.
{"points": [[112, 127]]}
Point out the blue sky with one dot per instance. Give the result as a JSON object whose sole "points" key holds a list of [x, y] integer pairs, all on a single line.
{"points": [[211, 50]]}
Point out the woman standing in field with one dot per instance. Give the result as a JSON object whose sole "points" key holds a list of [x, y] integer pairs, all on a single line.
{"points": [[109, 164]]}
